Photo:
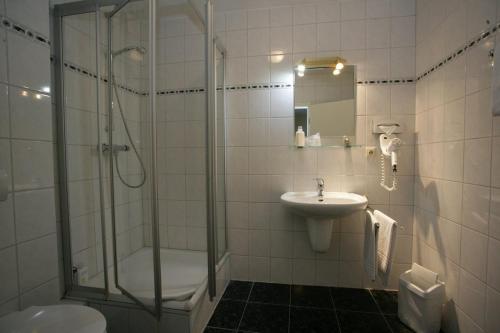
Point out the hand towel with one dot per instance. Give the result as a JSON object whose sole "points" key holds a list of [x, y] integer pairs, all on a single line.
{"points": [[386, 244], [370, 246]]}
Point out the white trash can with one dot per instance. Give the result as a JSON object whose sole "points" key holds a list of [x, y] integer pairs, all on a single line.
{"points": [[420, 299]]}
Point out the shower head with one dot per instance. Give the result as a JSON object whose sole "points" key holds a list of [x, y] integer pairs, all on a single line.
{"points": [[137, 51]]}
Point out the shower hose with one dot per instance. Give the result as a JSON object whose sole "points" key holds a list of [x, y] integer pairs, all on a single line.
{"points": [[134, 148]]}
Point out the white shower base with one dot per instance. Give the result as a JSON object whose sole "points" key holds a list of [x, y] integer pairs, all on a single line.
{"points": [[186, 304], [183, 272]]}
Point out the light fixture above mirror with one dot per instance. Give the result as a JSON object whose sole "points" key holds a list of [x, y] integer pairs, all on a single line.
{"points": [[336, 64]]}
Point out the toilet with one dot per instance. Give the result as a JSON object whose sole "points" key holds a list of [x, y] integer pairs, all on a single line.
{"points": [[64, 318]]}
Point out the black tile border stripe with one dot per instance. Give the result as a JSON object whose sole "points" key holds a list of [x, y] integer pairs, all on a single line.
{"points": [[23, 30], [471, 43]]}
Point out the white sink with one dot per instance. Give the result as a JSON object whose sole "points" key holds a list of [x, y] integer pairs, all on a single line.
{"points": [[321, 212], [334, 204]]}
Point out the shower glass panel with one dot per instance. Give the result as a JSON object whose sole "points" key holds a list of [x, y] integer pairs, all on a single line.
{"points": [[82, 110], [130, 175], [133, 119], [221, 235]]}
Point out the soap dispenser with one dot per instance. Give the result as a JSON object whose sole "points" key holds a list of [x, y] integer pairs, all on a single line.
{"points": [[300, 137]]}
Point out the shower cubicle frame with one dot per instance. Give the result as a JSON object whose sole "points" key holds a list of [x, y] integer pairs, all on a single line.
{"points": [[212, 45]]}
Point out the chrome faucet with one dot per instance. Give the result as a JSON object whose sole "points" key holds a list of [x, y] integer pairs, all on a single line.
{"points": [[321, 187]]}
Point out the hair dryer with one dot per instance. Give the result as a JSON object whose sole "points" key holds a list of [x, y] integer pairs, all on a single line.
{"points": [[389, 146]]}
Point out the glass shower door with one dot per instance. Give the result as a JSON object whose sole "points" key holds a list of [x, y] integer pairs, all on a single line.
{"points": [[132, 153]]}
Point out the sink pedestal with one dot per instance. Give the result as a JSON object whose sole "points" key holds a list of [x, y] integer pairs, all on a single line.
{"points": [[320, 233]]}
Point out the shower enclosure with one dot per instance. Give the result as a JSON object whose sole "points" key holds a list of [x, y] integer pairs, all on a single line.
{"points": [[139, 91]]}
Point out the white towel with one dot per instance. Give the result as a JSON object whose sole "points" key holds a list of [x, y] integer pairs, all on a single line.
{"points": [[386, 244], [370, 249]]}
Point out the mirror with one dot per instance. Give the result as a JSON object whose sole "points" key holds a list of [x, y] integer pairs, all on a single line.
{"points": [[325, 103]]}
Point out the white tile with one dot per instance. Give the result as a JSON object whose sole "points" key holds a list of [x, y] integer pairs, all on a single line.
{"points": [[237, 187], [236, 72], [281, 16], [177, 237], [478, 74], [281, 270], [259, 243], [403, 62], [38, 262], [475, 207], [281, 40], [237, 104], [3, 56], [454, 120], [477, 16], [281, 131], [326, 273], [282, 72], [237, 160], [239, 268], [7, 237], [259, 103], [353, 10], [453, 155], [197, 239], [46, 294], [378, 33], [492, 304], [472, 297], [29, 63], [236, 20], [236, 43], [259, 188], [4, 112], [8, 270], [238, 241], [237, 132], [478, 117], [493, 266], [259, 269], [33, 164], [237, 215], [328, 12], [403, 8], [353, 35], [36, 17], [259, 131], [378, 8], [35, 214], [305, 38], [31, 115], [403, 31], [477, 161], [495, 180], [5, 161], [303, 271], [281, 102], [473, 254], [258, 18], [377, 63], [328, 36], [304, 14], [258, 69]]}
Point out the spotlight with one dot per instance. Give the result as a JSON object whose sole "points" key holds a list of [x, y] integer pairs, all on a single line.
{"points": [[336, 71], [339, 66]]}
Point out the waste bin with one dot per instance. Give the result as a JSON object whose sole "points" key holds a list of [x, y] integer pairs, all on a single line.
{"points": [[420, 299]]}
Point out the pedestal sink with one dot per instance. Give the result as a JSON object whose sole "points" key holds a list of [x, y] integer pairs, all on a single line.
{"points": [[321, 212]]}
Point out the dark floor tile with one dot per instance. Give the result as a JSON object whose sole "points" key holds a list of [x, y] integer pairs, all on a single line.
{"points": [[238, 290], [217, 330], [311, 296], [227, 314], [397, 326], [312, 320], [353, 300], [386, 300], [270, 293], [362, 322], [265, 318]]}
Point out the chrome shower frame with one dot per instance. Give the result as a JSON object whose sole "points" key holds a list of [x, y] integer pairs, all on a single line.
{"points": [[72, 289]]}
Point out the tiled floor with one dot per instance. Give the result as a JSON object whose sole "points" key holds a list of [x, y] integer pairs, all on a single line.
{"points": [[277, 308]]}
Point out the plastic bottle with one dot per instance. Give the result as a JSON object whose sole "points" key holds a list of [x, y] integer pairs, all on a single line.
{"points": [[300, 137]]}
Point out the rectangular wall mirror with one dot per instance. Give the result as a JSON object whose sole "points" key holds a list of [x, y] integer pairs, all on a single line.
{"points": [[324, 101]]}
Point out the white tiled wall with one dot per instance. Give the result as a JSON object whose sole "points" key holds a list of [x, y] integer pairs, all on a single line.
{"points": [[456, 188], [267, 242], [181, 132], [29, 263]]}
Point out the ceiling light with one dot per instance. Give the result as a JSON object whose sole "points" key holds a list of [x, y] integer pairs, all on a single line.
{"points": [[339, 65]]}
